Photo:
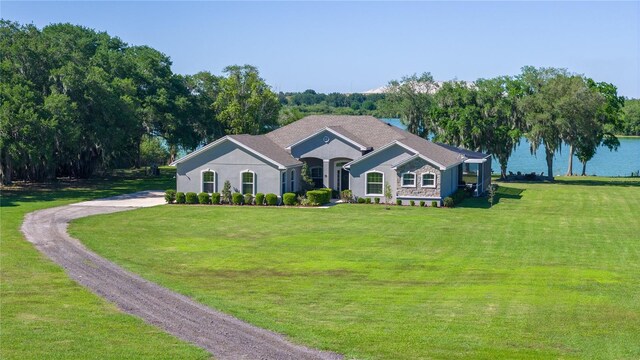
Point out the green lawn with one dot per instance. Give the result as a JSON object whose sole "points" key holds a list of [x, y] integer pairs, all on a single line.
{"points": [[551, 271], [45, 315]]}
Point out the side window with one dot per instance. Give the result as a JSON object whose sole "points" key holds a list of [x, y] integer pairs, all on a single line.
{"points": [[208, 181], [248, 182]]}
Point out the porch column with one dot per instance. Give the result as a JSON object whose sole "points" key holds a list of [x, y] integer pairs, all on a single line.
{"points": [[326, 173]]}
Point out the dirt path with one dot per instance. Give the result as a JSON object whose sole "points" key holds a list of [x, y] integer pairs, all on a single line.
{"points": [[224, 336]]}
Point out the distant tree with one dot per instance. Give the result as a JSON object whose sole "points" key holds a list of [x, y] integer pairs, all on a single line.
{"points": [[539, 106], [631, 117], [501, 120], [289, 115], [245, 103], [153, 152], [456, 116], [602, 129], [204, 89], [411, 99]]}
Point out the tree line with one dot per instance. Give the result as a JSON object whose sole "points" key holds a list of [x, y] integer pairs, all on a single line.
{"points": [[76, 101], [548, 106]]}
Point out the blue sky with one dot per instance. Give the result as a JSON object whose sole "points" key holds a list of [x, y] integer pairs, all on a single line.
{"points": [[356, 46]]}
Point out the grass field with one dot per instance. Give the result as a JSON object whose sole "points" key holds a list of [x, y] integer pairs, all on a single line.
{"points": [[45, 315], [551, 271]]}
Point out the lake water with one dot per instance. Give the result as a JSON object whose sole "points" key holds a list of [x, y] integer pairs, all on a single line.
{"points": [[605, 163]]}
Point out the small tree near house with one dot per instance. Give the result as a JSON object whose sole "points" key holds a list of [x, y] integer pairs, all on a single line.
{"points": [[226, 192], [305, 175], [493, 188], [387, 193]]}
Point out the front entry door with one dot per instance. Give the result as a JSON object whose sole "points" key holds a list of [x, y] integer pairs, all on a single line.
{"points": [[343, 179]]}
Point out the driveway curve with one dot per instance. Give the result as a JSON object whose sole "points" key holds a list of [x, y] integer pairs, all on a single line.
{"points": [[222, 335]]}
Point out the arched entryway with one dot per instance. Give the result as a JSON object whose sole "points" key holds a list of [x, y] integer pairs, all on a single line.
{"points": [[341, 175]]}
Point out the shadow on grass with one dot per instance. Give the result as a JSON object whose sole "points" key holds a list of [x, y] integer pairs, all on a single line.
{"points": [[483, 202], [86, 189], [586, 181]]}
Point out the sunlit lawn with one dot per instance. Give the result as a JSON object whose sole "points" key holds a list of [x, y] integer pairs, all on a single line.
{"points": [[45, 315], [551, 271]]}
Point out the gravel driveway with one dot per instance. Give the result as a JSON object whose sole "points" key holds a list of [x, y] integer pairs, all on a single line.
{"points": [[224, 336]]}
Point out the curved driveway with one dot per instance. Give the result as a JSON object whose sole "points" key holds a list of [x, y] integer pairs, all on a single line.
{"points": [[224, 336]]}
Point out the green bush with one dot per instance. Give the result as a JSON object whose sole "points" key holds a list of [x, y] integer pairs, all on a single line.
{"points": [[289, 199], [272, 199], [191, 198], [204, 198], [259, 199], [248, 199], [318, 197], [412, 203], [367, 200], [434, 203], [376, 200], [180, 198], [329, 192], [237, 198], [361, 200], [215, 198], [421, 203], [399, 202], [458, 196], [346, 196], [170, 196], [449, 202]]}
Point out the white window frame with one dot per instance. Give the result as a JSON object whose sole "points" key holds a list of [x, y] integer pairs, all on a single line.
{"points": [[215, 183], [293, 180], [366, 183], [408, 173], [242, 182], [435, 180]]}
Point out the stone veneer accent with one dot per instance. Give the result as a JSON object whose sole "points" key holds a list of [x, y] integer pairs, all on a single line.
{"points": [[419, 167]]}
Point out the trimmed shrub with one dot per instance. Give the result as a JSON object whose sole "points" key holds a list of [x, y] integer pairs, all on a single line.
{"points": [[318, 197], [329, 192], [181, 198], [204, 198], [170, 196], [191, 198], [259, 199], [361, 200], [248, 199], [237, 198], [412, 203], [449, 202], [434, 203], [346, 196], [215, 198], [367, 200], [422, 203], [272, 199], [289, 199], [399, 202], [376, 200]]}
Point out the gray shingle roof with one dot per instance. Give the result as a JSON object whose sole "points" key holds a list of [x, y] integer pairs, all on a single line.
{"points": [[263, 145], [367, 131]]}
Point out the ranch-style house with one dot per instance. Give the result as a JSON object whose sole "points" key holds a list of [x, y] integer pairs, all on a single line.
{"points": [[360, 153]]}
